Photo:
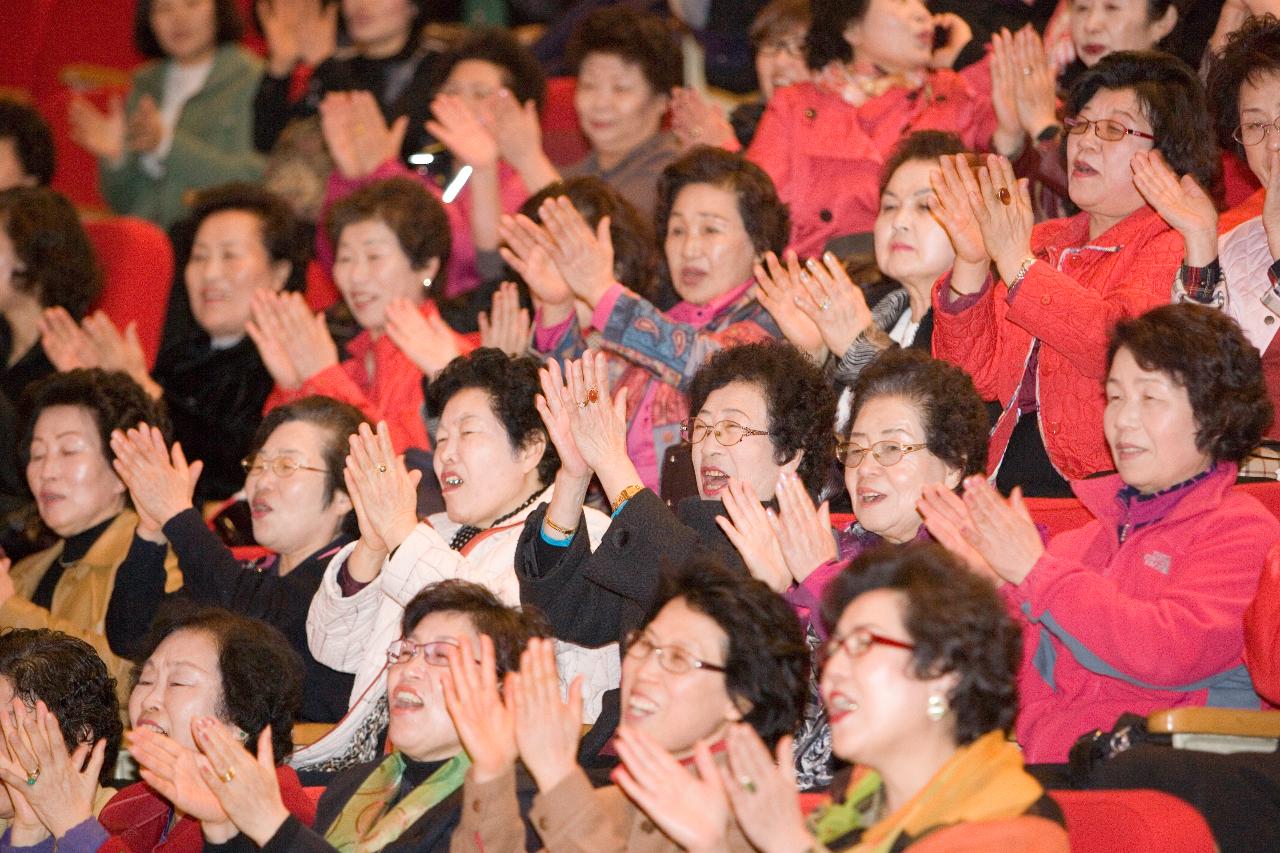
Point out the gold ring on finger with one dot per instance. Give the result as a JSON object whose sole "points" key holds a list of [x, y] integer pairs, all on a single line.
{"points": [[382, 469], [33, 776], [228, 775], [582, 404], [824, 305]]}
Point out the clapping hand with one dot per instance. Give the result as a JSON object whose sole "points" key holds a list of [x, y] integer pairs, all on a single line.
{"points": [[161, 482], [144, 131], [547, 727], [64, 342], [528, 251], [507, 326], [750, 529], [556, 405], [485, 724], [1181, 202], [697, 121], [1002, 208], [176, 773], [779, 291], [383, 491], [426, 339], [357, 134], [803, 530], [245, 785], [583, 256], [101, 134], [469, 136], [762, 790], [955, 192], [294, 344]]}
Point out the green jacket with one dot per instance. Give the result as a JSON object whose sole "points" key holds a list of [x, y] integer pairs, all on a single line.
{"points": [[212, 140]]}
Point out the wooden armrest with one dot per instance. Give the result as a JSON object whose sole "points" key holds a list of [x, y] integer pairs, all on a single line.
{"points": [[1217, 721], [305, 734]]}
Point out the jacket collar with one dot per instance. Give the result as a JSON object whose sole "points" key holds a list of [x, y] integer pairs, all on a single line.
{"points": [[1135, 228], [1099, 494]]}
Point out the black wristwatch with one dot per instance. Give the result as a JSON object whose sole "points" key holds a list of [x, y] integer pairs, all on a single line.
{"points": [[1049, 133]]}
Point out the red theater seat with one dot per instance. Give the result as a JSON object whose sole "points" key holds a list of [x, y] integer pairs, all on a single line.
{"points": [[137, 272], [1133, 822]]}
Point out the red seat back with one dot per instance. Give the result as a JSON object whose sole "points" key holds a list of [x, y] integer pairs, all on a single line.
{"points": [[1133, 822], [562, 137], [137, 272], [321, 291]]}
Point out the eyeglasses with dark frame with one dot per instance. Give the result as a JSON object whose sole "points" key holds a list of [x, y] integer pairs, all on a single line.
{"points": [[673, 659], [887, 452], [727, 432], [281, 466], [1255, 131], [1106, 129], [857, 643]]}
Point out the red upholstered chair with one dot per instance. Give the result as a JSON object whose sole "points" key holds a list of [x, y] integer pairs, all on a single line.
{"points": [[321, 291], [562, 138], [1133, 822], [137, 272]]}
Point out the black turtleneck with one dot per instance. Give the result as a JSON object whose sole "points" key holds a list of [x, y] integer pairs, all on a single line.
{"points": [[415, 773], [73, 549]]}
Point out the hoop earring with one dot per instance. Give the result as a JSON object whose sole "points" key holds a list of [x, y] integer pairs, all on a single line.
{"points": [[937, 708]]}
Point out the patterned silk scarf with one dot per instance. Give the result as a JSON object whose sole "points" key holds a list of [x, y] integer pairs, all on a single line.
{"points": [[367, 825]]}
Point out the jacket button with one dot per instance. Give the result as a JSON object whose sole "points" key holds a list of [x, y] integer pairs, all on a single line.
{"points": [[811, 113], [646, 827], [1269, 319], [824, 215], [1046, 299]]}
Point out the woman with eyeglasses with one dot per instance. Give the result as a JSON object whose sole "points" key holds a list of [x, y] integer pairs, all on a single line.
{"points": [[919, 680], [716, 650], [301, 513], [1238, 271], [1026, 309], [409, 800]]}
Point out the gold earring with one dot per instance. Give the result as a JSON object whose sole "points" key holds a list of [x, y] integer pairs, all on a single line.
{"points": [[937, 708]]}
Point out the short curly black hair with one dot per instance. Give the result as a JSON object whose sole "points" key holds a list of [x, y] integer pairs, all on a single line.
{"points": [[800, 402], [337, 419], [32, 139], [282, 235], [228, 27], [261, 673], [67, 675], [111, 397], [510, 628], [1204, 351], [825, 41], [521, 72], [51, 244], [636, 261], [512, 384], [921, 145], [634, 36], [957, 622], [1172, 99], [955, 420], [767, 660], [413, 214], [766, 217], [1251, 52]]}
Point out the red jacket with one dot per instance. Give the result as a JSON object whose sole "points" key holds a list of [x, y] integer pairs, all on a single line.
{"points": [[1262, 632], [391, 393], [825, 155], [1152, 622], [1070, 304]]}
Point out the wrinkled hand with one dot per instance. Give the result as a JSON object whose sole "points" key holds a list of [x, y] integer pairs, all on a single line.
{"points": [[64, 342], [697, 121], [555, 405], [284, 328], [1001, 531], [600, 427], [836, 305], [955, 192], [470, 137], [176, 773], [946, 518], [383, 491], [356, 133], [547, 728], [250, 798], [1006, 228], [768, 810], [1009, 133], [749, 529], [161, 482], [507, 326], [485, 724], [584, 257], [803, 530], [101, 134], [1035, 83], [426, 340], [779, 291], [1180, 202], [692, 811]]}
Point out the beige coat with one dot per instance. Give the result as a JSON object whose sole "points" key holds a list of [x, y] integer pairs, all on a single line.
{"points": [[83, 592]]}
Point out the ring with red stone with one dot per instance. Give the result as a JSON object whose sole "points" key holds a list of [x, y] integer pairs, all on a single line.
{"points": [[592, 395], [1004, 196]]}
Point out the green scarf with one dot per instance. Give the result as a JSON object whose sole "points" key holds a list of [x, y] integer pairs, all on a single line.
{"points": [[366, 824]]}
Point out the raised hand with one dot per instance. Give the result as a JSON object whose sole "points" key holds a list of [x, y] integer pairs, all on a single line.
{"points": [[1001, 531], [762, 791], [161, 482], [1003, 210], [506, 326], [584, 258], [65, 785], [175, 772], [946, 518], [245, 785], [144, 131], [290, 339], [1009, 134], [426, 340], [835, 304], [599, 423], [555, 405], [116, 351], [380, 485], [779, 290], [356, 133], [467, 135], [954, 193], [692, 811], [64, 342], [803, 530], [749, 529], [697, 121], [1035, 83], [528, 251], [547, 727], [485, 724], [959, 34], [518, 129], [1181, 202], [101, 134]]}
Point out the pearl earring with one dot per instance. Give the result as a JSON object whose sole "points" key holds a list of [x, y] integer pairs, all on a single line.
{"points": [[427, 281], [937, 708]]}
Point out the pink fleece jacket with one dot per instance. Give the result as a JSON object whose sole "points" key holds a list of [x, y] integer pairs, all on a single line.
{"points": [[1152, 622]]}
